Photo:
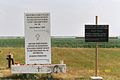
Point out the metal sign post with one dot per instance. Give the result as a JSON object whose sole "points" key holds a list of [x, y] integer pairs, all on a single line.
{"points": [[96, 53], [96, 33]]}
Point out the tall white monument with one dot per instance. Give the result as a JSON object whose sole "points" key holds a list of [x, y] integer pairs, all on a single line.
{"points": [[37, 38]]}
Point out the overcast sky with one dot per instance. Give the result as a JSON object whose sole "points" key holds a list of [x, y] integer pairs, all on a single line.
{"points": [[68, 17]]}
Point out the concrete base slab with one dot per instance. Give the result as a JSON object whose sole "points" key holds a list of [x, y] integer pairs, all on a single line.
{"points": [[44, 68], [96, 78]]}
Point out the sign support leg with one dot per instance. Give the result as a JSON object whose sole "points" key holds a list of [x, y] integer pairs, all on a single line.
{"points": [[96, 53], [96, 60]]}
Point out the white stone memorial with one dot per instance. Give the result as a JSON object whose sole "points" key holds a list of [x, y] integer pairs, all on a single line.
{"points": [[38, 46], [37, 38]]}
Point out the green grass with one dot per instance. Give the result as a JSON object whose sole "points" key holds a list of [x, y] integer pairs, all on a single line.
{"points": [[17, 42], [63, 42], [79, 61]]}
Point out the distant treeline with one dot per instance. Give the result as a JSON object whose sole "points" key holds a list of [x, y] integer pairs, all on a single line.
{"points": [[64, 42]]}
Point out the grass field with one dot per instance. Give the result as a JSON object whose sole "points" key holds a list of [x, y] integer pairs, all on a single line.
{"points": [[62, 42], [79, 61], [12, 42]]}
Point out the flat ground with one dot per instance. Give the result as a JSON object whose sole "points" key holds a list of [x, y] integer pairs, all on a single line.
{"points": [[79, 61]]}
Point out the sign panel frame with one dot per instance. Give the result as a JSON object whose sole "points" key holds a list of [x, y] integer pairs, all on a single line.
{"points": [[37, 38], [96, 33]]}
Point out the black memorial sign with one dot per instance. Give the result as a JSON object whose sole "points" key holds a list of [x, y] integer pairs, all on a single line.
{"points": [[96, 33]]}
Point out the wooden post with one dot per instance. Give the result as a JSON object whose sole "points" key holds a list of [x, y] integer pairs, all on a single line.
{"points": [[96, 77], [10, 59], [96, 53]]}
